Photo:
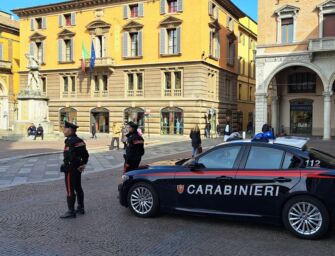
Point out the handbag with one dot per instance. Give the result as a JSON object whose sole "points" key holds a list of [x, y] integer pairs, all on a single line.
{"points": [[200, 149]]}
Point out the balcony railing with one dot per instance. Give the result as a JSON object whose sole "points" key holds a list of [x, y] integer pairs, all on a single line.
{"points": [[5, 65], [102, 62], [322, 44], [69, 94], [175, 92], [137, 93], [97, 94]]}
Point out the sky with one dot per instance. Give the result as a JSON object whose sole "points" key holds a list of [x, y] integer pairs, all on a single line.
{"points": [[247, 6]]}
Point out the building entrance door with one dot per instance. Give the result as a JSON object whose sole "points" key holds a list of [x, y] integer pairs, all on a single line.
{"points": [[301, 117]]}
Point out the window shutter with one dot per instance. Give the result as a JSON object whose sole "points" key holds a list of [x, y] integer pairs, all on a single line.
{"points": [[32, 48], [43, 51], [97, 47], [180, 5], [217, 13], [32, 24], [103, 45], [60, 20], [178, 39], [140, 42], [125, 11], [162, 9], [162, 40], [125, 44], [210, 8], [1, 51], [140, 10], [73, 18], [217, 41], [60, 50], [210, 43], [72, 50], [44, 23]]}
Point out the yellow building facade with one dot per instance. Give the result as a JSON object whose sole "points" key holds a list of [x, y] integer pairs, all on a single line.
{"points": [[9, 67], [247, 40], [166, 65]]}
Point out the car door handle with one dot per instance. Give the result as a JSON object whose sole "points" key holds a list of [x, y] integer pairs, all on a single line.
{"points": [[224, 178], [282, 179]]}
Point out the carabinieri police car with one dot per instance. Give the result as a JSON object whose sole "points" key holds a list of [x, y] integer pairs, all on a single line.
{"points": [[282, 181]]}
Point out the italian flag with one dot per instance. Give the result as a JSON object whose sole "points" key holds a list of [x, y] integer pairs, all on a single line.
{"points": [[84, 56]]}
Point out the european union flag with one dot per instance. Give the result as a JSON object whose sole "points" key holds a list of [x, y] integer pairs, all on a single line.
{"points": [[92, 62]]}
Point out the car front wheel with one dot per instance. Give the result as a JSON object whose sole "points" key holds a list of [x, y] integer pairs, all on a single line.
{"points": [[306, 217], [143, 200]]}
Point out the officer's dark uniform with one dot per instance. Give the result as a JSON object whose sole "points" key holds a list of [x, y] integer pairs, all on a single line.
{"points": [[134, 150], [75, 155]]}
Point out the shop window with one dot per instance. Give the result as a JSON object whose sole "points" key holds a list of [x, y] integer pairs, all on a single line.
{"points": [[172, 121], [67, 114], [100, 118], [135, 115]]}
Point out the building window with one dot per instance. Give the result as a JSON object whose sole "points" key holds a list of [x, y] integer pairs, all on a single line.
{"points": [[214, 47], [173, 83], [133, 10], [135, 84], [69, 86], [172, 121], [105, 83], [302, 82], [132, 44], [135, 115], [328, 25], [240, 91], [99, 46], [230, 23], [44, 84], [213, 10], [230, 53], [37, 50], [172, 41], [39, 23], [172, 6], [287, 30], [68, 19], [65, 50]]}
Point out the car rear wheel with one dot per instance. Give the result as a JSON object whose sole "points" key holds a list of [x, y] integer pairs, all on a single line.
{"points": [[143, 200], [306, 217]]}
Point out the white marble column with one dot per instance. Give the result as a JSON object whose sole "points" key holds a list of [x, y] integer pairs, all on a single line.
{"points": [[327, 115], [261, 113]]}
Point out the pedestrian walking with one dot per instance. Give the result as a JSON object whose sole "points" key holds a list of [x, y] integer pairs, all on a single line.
{"points": [[94, 131], [218, 130], [31, 131], [116, 133], [207, 130], [196, 140], [124, 132], [135, 148], [75, 160]]}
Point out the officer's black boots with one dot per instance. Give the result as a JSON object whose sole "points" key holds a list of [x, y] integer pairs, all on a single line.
{"points": [[71, 212], [80, 207]]}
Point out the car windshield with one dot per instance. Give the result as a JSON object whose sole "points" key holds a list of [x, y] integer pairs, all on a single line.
{"points": [[325, 160]]}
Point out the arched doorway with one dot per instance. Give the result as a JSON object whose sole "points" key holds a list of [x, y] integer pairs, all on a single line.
{"points": [[100, 118], [4, 119], [172, 121], [67, 114], [296, 102], [135, 115]]}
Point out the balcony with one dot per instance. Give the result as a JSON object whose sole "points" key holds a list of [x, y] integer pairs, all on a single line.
{"points": [[322, 44], [5, 65], [137, 93], [175, 92], [105, 62], [98, 94], [69, 94]]}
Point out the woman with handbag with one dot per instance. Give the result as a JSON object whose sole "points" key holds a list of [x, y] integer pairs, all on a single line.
{"points": [[196, 140]]}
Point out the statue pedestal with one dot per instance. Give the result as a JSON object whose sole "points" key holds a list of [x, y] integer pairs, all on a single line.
{"points": [[32, 108]]}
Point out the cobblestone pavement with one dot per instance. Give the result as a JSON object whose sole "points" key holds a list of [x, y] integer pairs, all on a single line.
{"points": [[46, 167], [30, 225]]}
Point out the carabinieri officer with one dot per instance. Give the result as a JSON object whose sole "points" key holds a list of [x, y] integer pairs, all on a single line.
{"points": [[75, 160]]}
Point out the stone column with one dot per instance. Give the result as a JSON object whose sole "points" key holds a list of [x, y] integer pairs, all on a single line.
{"points": [[275, 114], [261, 111], [326, 115]]}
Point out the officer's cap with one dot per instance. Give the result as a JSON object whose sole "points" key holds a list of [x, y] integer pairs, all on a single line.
{"points": [[70, 125]]}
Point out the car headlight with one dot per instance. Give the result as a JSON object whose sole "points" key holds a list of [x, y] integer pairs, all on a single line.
{"points": [[125, 177]]}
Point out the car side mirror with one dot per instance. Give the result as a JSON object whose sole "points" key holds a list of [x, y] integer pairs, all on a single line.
{"points": [[194, 166]]}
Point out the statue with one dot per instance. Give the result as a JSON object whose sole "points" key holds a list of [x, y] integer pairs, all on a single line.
{"points": [[33, 75]]}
